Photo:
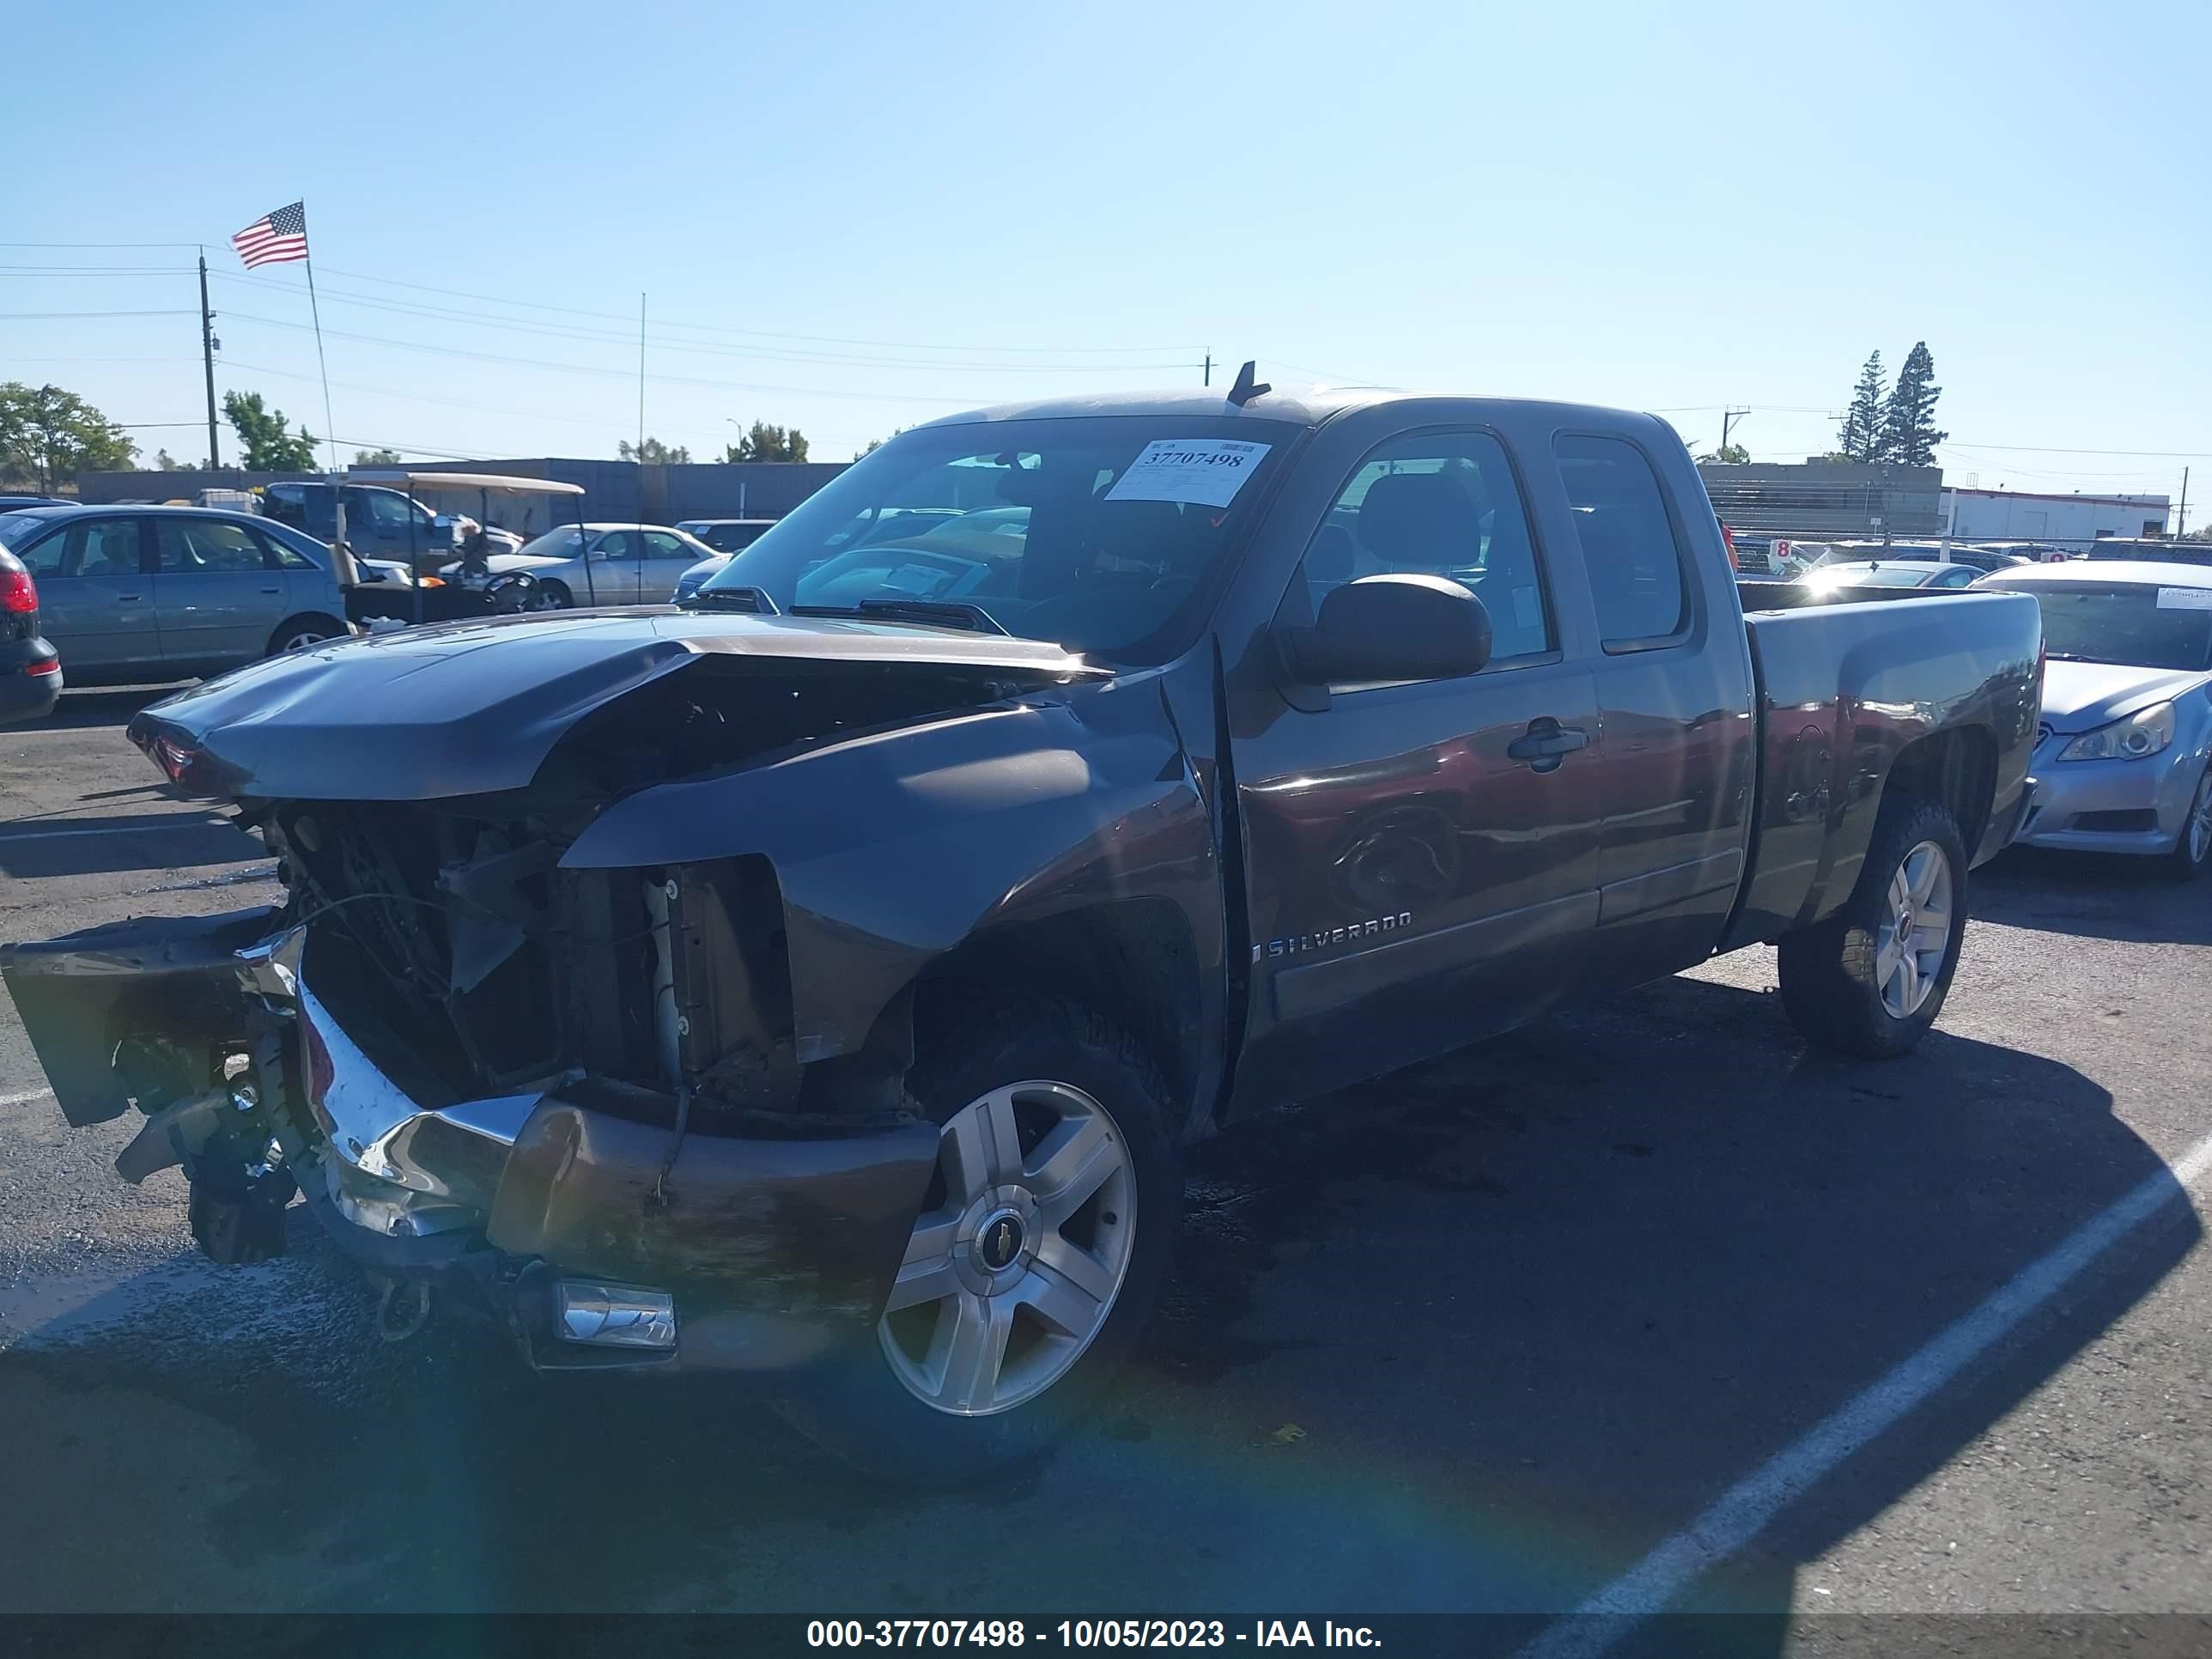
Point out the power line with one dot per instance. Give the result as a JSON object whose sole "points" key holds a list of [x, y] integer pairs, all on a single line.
{"points": [[753, 333], [609, 336], [97, 271], [50, 316], [617, 374], [700, 433], [103, 245]]}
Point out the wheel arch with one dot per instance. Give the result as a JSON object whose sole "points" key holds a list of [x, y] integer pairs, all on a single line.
{"points": [[1133, 961], [1956, 769], [300, 619]]}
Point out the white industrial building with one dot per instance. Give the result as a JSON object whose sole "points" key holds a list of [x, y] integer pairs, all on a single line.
{"points": [[2071, 520]]}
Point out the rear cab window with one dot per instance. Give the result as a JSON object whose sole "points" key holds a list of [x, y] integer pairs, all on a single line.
{"points": [[1637, 574]]}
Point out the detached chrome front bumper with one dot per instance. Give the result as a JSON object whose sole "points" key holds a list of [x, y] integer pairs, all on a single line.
{"points": [[556, 1203]]}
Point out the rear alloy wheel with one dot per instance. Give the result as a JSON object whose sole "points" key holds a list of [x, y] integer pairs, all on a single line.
{"points": [[2192, 848], [1037, 1255], [1915, 937], [1007, 1282], [1870, 979]]}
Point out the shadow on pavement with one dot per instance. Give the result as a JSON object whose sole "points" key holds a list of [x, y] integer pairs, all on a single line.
{"points": [[2097, 895], [41, 846], [100, 706], [1476, 1336]]}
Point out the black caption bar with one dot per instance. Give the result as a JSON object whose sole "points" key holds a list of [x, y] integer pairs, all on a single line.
{"points": [[1402, 1636]]}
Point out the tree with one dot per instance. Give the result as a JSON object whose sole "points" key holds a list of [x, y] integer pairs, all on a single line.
{"points": [[875, 444], [165, 462], [652, 452], [1909, 435], [269, 444], [47, 434], [1726, 455], [1860, 437], [376, 458], [764, 442]]}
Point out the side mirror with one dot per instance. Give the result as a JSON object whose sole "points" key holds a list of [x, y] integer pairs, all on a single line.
{"points": [[1389, 627]]}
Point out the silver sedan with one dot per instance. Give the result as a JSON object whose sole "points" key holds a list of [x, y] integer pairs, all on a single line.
{"points": [[2123, 758], [604, 563]]}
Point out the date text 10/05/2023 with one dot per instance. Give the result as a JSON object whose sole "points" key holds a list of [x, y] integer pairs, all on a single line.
{"points": [[1084, 1633]]}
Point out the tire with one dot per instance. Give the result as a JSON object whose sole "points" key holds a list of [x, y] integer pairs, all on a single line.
{"points": [[2192, 848], [899, 1406], [1841, 987], [298, 633], [553, 596]]}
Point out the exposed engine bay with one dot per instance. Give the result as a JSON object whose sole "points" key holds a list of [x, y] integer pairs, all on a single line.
{"points": [[478, 1065]]}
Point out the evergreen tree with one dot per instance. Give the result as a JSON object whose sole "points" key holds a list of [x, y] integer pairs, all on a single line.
{"points": [[1909, 435], [1860, 436]]}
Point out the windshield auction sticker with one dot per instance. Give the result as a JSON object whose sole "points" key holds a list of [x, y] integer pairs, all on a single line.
{"points": [[1206, 471], [2185, 598]]}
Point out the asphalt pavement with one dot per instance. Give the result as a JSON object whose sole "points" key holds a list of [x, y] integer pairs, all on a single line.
{"points": [[1645, 1301]]}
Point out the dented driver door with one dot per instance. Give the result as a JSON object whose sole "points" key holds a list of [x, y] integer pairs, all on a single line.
{"points": [[1422, 857]]}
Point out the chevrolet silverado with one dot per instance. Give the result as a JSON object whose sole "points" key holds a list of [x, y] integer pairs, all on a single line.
{"points": [[818, 982]]}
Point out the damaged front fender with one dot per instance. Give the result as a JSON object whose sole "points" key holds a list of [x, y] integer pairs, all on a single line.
{"points": [[157, 979]]}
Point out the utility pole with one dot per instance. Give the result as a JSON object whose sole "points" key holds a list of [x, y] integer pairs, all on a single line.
{"points": [[1209, 370], [2181, 518], [207, 362], [1729, 418]]}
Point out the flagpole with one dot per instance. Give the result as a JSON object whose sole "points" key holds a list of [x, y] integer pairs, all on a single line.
{"points": [[315, 310]]}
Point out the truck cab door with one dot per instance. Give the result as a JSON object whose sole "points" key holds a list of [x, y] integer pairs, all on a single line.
{"points": [[1675, 697], [1421, 858]]}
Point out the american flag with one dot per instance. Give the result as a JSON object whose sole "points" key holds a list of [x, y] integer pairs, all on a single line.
{"points": [[274, 237]]}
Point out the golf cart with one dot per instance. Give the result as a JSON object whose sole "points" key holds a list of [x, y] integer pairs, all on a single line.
{"points": [[444, 579]]}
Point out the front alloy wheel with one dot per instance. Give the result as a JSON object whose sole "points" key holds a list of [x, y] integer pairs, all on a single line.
{"points": [[1012, 1272]]}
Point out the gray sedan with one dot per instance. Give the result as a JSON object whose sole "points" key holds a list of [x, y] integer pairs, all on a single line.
{"points": [[144, 594], [2124, 760]]}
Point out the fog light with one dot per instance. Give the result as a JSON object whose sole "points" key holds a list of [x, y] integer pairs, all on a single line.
{"points": [[613, 1315]]}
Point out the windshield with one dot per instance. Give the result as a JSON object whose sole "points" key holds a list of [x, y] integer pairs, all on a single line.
{"points": [[2134, 624], [15, 528], [1102, 534], [555, 544]]}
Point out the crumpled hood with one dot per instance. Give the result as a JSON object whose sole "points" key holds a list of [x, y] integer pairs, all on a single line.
{"points": [[2080, 696], [472, 708]]}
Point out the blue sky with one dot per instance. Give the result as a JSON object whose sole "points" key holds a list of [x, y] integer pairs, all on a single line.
{"points": [[871, 214]]}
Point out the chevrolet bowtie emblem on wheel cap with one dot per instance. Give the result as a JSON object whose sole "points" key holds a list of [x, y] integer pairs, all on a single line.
{"points": [[1000, 1243]]}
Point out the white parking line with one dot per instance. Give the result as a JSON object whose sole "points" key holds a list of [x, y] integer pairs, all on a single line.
{"points": [[25, 1097], [1747, 1508]]}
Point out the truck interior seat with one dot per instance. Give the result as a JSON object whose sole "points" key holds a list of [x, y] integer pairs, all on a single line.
{"points": [[1421, 521]]}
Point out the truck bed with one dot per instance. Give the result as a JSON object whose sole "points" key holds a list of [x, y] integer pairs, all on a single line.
{"points": [[1846, 686]]}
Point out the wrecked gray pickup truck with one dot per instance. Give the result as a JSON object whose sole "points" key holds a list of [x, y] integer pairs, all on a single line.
{"points": [[817, 982]]}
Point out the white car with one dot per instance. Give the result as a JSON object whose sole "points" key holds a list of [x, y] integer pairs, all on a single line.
{"points": [[602, 564]]}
